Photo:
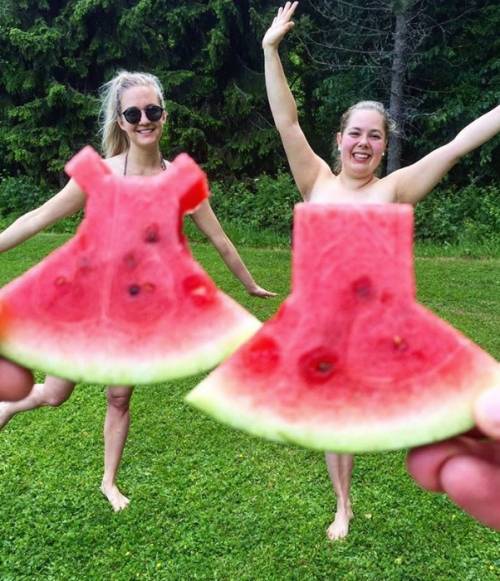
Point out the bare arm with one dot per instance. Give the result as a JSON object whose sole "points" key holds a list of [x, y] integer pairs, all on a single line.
{"points": [[306, 166], [68, 201], [414, 182], [207, 222]]}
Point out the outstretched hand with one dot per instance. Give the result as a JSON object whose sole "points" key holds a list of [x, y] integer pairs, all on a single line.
{"points": [[262, 293], [280, 26], [467, 468]]}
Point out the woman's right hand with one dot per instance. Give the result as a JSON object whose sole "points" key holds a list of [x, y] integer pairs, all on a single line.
{"points": [[467, 468], [282, 24]]}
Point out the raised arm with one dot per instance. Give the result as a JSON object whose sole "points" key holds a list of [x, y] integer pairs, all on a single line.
{"points": [[414, 182], [306, 166], [207, 222], [68, 201]]}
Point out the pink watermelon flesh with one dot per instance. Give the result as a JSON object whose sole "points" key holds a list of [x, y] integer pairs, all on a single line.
{"points": [[351, 362], [123, 301]]}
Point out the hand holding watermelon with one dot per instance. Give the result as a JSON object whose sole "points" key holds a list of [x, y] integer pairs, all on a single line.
{"points": [[467, 469], [351, 362]]}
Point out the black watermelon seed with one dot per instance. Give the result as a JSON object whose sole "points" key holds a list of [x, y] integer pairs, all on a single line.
{"points": [[318, 365], [134, 289], [152, 233], [324, 367], [363, 288]]}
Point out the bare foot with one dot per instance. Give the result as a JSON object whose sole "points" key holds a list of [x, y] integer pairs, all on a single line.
{"points": [[340, 525], [117, 500], [4, 414]]}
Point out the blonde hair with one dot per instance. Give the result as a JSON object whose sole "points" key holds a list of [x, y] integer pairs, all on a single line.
{"points": [[113, 140], [390, 126]]}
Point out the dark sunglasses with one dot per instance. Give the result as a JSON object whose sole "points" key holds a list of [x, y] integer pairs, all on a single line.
{"points": [[133, 114]]}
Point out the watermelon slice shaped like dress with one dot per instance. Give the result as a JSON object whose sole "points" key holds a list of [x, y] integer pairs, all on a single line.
{"points": [[351, 362], [124, 302]]}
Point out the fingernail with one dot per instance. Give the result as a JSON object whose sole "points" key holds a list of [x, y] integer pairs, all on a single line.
{"points": [[488, 412]]}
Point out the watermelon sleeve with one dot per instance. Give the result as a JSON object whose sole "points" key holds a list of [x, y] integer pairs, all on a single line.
{"points": [[87, 168], [191, 183]]}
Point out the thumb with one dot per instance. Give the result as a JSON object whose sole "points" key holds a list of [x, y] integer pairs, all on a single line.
{"points": [[487, 413]]}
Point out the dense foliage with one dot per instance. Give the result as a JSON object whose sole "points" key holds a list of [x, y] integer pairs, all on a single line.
{"points": [[55, 54]]}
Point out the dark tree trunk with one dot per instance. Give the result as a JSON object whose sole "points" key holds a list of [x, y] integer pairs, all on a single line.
{"points": [[397, 89]]}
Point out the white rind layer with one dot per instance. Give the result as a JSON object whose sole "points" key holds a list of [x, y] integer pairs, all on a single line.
{"points": [[113, 366], [217, 396]]}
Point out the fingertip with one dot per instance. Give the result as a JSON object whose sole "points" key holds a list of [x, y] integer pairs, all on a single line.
{"points": [[487, 413]]}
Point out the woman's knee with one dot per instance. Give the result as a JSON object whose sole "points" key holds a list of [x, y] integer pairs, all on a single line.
{"points": [[119, 398], [55, 392]]}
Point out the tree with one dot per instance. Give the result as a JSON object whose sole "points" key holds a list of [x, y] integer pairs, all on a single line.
{"points": [[389, 50], [57, 53]]}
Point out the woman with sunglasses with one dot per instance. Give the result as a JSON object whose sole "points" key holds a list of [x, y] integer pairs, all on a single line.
{"points": [[133, 115]]}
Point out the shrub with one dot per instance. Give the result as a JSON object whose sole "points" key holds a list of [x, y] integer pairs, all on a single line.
{"points": [[264, 203], [470, 215], [19, 195]]}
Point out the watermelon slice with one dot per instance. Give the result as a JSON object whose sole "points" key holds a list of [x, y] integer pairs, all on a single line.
{"points": [[123, 301], [351, 362]]}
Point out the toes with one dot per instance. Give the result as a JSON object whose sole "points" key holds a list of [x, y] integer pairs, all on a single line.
{"points": [[117, 500], [339, 528], [335, 532]]}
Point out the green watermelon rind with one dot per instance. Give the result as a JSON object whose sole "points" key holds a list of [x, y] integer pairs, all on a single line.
{"points": [[133, 371], [452, 417]]}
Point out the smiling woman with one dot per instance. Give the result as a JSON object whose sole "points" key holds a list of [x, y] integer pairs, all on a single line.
{"points": [[364, 129], [133, 116], [361, 142]]}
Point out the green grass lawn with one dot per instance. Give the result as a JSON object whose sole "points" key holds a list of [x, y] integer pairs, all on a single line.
{"points": [[208, 502]]}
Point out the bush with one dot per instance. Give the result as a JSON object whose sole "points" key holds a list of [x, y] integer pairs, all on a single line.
{"points": [[470, 215], [259, 211], [19, 195], [264, 203]]}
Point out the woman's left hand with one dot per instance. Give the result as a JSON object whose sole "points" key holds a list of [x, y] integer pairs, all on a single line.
{"points": [[261, 293]]}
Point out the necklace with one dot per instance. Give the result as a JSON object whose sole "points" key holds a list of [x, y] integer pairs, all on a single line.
{"points": [[162, 163]]}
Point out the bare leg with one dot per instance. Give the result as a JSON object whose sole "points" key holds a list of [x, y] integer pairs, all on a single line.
{"points": [[53, 392], [340, 471], [115, 435]]}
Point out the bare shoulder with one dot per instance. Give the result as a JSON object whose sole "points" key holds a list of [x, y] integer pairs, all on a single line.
{"points": [[323, 185], [384, 190]]}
